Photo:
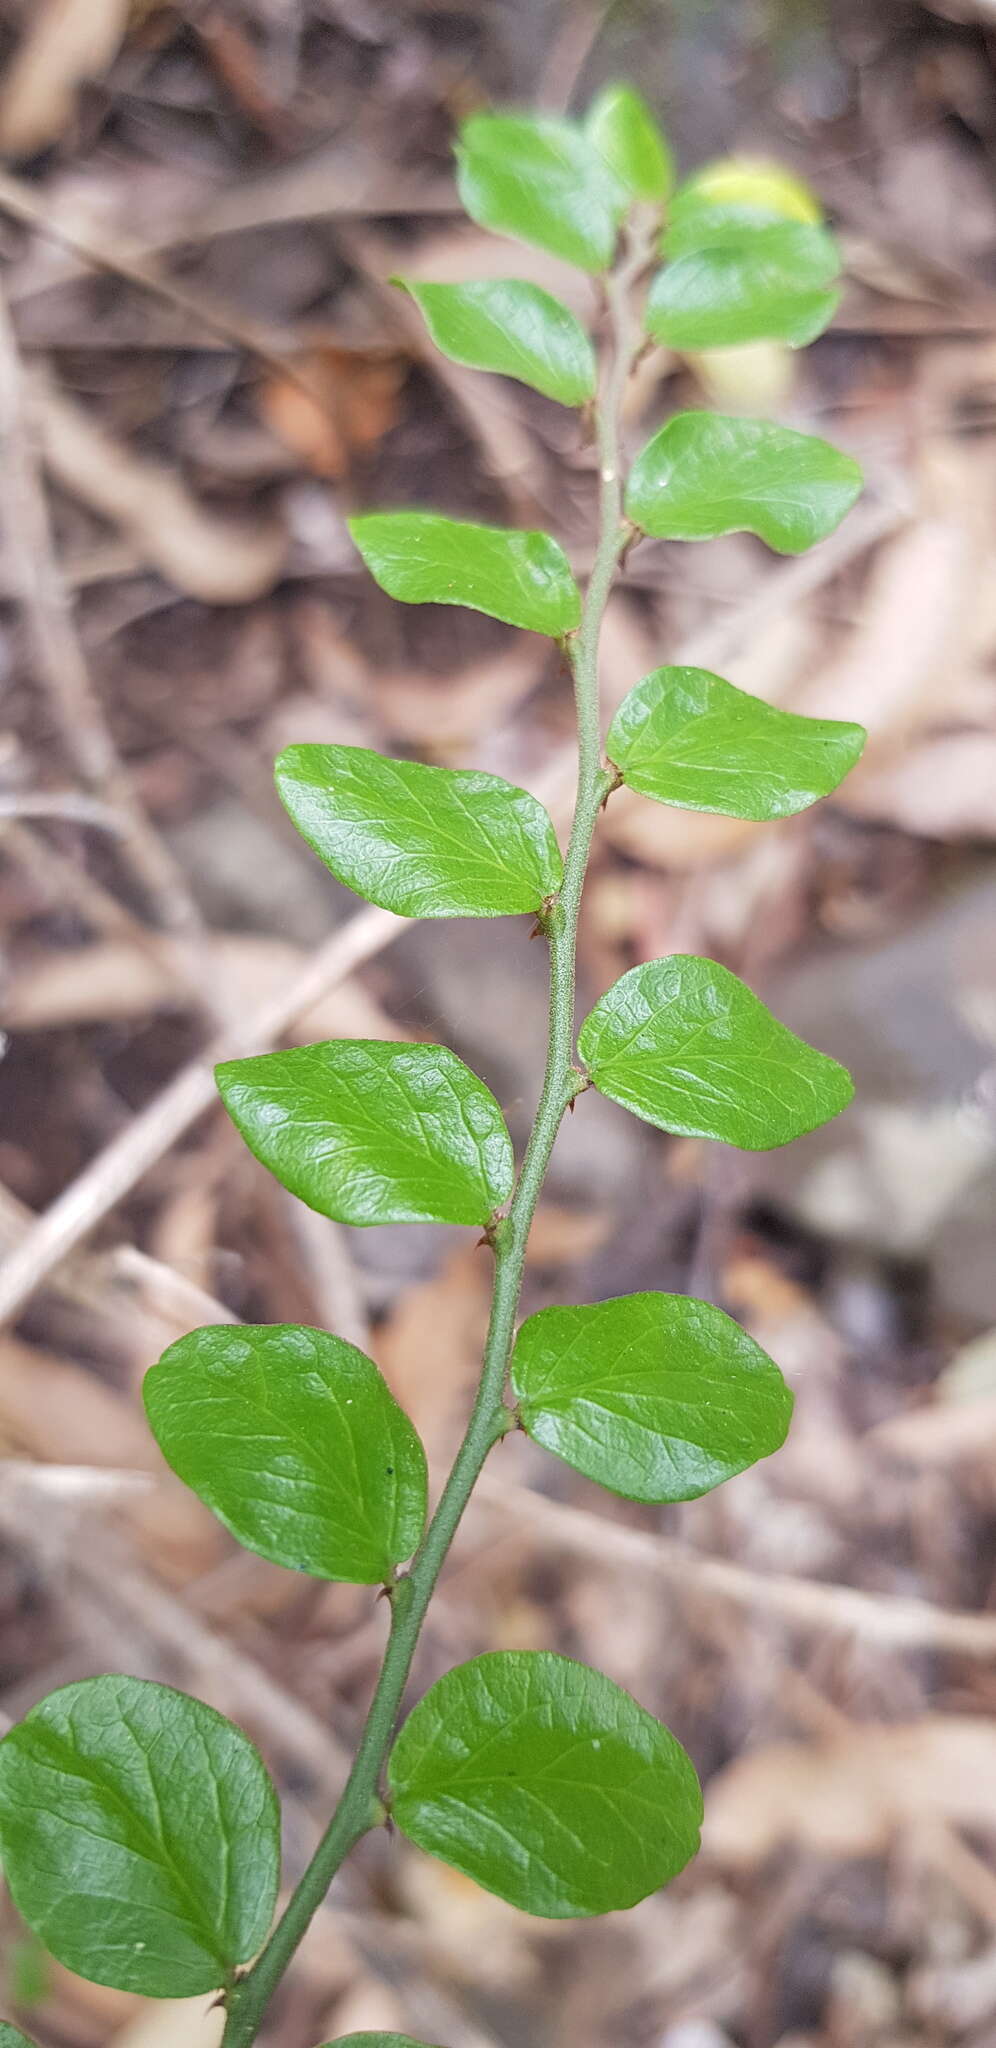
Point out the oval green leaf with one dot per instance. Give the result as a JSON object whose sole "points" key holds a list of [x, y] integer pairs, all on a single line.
{"points": [[10, 2038], [686, 737], [655, 1396], [705, 474], [294, 1440], [514, 328], [545, 1783], [371, 1132], [734, 195], [623, 130], [423, 558], [765, 284], [542, 181], [421, 841], [140, 1836], [687, 1046]]}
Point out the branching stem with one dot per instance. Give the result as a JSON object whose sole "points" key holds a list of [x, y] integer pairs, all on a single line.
{"points": [[359, 1808]]}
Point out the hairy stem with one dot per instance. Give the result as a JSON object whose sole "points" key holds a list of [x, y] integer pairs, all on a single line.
{"points": [[359, 1808]]}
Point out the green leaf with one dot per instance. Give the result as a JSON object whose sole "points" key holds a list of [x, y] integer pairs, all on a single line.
{"points": [[686, 737], [372, 1132], [765, 284], [425, 842], [370, 2041], [704, 474], [515, 328], [423, 558], [10, 2038], [545, 1783], [735, 194], [656, 1396], [141, 1836], [685, 1045], [292, 1437], [623, 130], [542, 181]]}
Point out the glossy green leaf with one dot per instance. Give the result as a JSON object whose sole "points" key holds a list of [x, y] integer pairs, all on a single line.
{"points": [[687, 1046], [295, 1441], [656, 1396], [425, 842], [686, 737], [423, 558], [372, 1132], [515, 328], [370, 2041], [140, 1835], [542, 181], [734, 195], [764, 284], [10, 2038], [705, 474], [545, 1783], [623, 130]]}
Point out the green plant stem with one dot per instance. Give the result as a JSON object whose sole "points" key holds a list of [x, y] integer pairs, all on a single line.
{"points": [[359, 1809]]}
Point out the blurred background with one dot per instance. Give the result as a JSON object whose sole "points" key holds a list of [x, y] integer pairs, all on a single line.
{"points": [[202, 371]]}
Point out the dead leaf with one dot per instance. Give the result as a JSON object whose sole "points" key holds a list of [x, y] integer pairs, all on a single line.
{"points": [[67, 43], [184, 1232], [445, 715], [467, 1933], [912, 614], [971, 1374], [566, 1237], [925, 621], [965, 10], [944, 789], [237, 62], [215, 559], [944, 1434], [817, 1463], [355, 401], [62, 1414], [851, 1794], [902, 1172], [679, 840], [445, 1320], [368, 2008], [114, 980]]}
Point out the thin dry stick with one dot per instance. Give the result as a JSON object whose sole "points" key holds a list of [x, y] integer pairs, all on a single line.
{"points": [[100, 1570], [248, 336], [64, 881], [163, 1290], [115, 1171], [68, 806], [56, 649], [506, 453], [886, 1619]]}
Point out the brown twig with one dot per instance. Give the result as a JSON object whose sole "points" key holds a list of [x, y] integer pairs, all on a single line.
{"points": [[237, 330], [888, 1620], [57, 651], [155, 1129], [100, 1573]]}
